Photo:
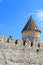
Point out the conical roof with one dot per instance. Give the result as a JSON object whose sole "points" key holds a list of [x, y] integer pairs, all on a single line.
{"points": [[31, 25]]}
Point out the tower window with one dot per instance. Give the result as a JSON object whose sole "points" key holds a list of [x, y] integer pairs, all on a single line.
{"points": [[38, 44], [16, 41], [31, 43], [24, 42], [37, 50]]}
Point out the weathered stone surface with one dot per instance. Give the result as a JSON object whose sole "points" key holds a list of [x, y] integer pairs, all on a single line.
{"points": [[16, 54]]}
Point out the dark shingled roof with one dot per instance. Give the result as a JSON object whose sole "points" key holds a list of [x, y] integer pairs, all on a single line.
{"points": [[31, 25]]}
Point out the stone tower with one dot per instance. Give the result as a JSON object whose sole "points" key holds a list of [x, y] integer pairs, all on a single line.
{"points": [[31, 31]]}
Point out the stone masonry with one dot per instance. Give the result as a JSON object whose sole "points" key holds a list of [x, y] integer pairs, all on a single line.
{"points": [[20, 53]]}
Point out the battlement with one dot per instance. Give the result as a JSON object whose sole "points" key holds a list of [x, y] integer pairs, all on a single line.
{"points": [[20, 42], [27, 43], [19, 52]]}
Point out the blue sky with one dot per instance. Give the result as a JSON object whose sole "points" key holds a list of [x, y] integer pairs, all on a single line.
{"points": [[14, 14]]}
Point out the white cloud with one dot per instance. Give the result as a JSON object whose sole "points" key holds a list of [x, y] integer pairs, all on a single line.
{"points": [[42, 24], [39, 15], [26, 14], [31, 13]]}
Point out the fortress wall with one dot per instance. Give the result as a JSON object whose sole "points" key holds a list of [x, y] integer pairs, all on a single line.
{"points": [[26, 43], [2, 39], [16, 54]]}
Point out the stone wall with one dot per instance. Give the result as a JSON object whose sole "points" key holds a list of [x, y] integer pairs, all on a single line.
{"points": [[19, 54], [31, 35], [3, 39]]}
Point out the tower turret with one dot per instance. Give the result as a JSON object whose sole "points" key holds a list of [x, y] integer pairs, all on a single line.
{"points": [[31, 31]]}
